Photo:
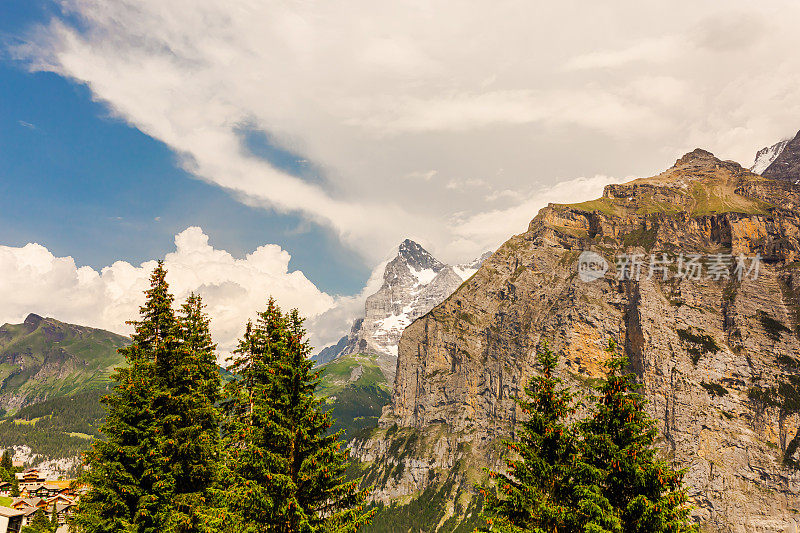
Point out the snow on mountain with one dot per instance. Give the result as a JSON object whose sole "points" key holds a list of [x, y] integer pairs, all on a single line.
{"points": [[766, 156], [414, 282]]}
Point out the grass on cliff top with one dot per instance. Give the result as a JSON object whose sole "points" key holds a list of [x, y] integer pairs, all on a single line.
{"points": [[713, 198], [708, 196], [603, 205]]}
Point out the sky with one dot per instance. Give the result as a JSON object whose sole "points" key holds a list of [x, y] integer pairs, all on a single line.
{"points": [[287, 147]]}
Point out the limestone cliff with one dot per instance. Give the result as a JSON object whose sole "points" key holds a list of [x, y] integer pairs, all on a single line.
{"points": [[719, 359]]}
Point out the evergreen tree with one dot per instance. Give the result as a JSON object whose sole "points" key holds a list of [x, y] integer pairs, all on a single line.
{"points": [[191, 418], [54, 518], [39, 523], [14, 487], [541, 492], [285, 472], [6, 463], [129, 477], [153, 470], [619, 458]]}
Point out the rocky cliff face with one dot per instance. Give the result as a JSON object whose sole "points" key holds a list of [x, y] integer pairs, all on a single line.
{"points": [[786, 164], [413, 283], [718, 356]]}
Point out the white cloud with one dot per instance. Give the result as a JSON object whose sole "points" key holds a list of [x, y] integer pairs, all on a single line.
{"points": [[32, 279], [373, 92]]}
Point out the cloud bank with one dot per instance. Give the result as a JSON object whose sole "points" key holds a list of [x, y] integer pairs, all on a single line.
{"points": [[33, 280], [425, 118]]}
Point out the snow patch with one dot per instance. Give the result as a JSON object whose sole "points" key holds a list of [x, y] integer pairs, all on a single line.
{"points": [[423, 276], [766, 156], [393, 323]]}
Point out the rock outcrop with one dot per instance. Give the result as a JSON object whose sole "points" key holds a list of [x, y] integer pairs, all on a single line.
{"points": [[718, 356]]}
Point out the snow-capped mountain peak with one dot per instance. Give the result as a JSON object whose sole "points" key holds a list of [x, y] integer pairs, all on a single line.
{"points": [[766, 156], [414, 282]]}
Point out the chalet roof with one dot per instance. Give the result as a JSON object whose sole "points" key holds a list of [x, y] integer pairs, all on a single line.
{"points": [[9, 512], [62, 506], [64, 497], [28, 502]]}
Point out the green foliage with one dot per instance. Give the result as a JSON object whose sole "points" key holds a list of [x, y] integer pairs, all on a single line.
{"points": [[538, 492], [772, 326], [357, 408], [337, 374], [57, 427], [643, 237], [39, 524], [714, 389], [151, 471], [426, 511], [599, 474], [699, 344], [619, 458], [283, 469]]}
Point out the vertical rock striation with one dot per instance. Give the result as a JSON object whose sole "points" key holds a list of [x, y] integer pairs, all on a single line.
{"points": [[719, 359]]}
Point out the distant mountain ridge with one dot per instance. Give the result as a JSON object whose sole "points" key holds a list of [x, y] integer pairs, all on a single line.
{"points": [[786, 163], [766, 156], [414, 282], [44, 358]]}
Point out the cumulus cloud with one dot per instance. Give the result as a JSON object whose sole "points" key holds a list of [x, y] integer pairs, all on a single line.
{"points": [[394, 101], [32, 279]]}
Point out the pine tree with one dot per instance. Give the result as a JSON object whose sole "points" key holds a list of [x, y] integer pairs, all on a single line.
{"points": [[191, 418], [619, 457], [540, 492], [54, 517], [129, 477], [6, 463], [285, 472], [14, 487]]}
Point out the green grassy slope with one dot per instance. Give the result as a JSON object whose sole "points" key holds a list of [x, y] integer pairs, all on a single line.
{"points": [[44, 358], [356, 390]]}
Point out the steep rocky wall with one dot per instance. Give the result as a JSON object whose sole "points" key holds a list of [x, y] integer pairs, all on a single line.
{"points": [[716, 357]]}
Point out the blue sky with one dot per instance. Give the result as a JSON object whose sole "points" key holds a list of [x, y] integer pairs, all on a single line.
{"points": [[85, 184], [344, 127]]}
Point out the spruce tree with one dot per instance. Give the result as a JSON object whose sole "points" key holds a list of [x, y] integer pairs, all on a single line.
{"points": [[284, 470], [159, 456], [619, 458], [6, 463], [128, 474], [191, 418], [541, 491]]}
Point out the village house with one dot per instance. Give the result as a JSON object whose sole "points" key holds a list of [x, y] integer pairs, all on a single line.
{"points": [[10, 520], [29, 478]]}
